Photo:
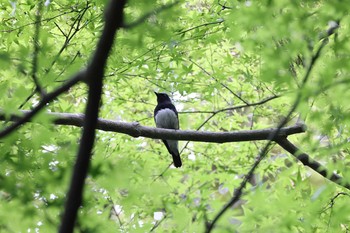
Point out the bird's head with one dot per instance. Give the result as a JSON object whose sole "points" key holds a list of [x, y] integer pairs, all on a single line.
{"points": [[162, 97]]}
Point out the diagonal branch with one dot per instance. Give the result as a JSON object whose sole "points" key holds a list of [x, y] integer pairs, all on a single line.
{"points": [[47, 99], [223, 85], [307, 161], [68, 37], [238, 192]]}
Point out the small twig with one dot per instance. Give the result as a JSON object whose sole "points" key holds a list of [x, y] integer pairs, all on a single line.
{"points": [[332, 201], [223, 85], [82, 12], [157, 224], [224, 6], [331, 204], [35, 22], [27, 99], [230, 109], [116, 213], [199, 26], [70, 63], [59, 28], [73, 30], [149, 14], [36, 51], [237, 107]]}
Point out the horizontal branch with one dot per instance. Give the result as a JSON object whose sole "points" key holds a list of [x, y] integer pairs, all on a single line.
{"points": [[134, 129]]}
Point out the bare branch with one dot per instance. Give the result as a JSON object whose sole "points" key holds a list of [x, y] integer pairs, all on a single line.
{"points": [[223, 85], [74, 29], [314, 165], [47, 99], [94, 78], [201, 25], [42, 20], [134, 129], [238, 192], [149, 14], [235, 108], [224, 6], [36, 51]]}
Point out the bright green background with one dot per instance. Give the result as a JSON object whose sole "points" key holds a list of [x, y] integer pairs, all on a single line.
{"points": [[204, 55]]}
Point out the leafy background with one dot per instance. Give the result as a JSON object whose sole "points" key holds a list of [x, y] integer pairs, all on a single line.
{"points": [[208, 55]]}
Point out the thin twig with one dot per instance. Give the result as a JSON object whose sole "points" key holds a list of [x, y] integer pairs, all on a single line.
{"points": [[157, 224], [36, 51], [223, 85], [262, 154], [149, 14], [199, 26], [35, 22], [238, 107], [68, 39], [70, 35]]}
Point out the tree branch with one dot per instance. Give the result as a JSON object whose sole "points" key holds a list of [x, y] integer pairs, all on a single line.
{"points": [[235, 108], [149, 14], [36, 51], [94, 78], [47, 99], [307, 161], [223, 85], [238, 192], [134, 129], [219, 21]]}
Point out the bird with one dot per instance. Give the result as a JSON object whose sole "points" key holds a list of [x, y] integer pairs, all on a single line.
{"points": [[166, 116]]}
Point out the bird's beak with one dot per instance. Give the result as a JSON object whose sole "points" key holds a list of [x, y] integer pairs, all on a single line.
{"points": [[156, 93]]}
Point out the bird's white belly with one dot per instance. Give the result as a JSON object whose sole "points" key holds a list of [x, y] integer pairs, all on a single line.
{"points": [[166, 118]]}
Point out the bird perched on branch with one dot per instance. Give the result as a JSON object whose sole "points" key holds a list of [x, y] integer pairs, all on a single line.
{"points": [[166, 116]]}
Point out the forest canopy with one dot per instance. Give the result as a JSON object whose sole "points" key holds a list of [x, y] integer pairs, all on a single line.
{"points": [[261, 90]]}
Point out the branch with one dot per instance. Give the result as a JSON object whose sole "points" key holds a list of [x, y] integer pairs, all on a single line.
{"points": [[134, 129], [314, 165], [35, 22], [238, 192], [36, 51], [47, 99], [94, 78], [223, 85], [201, 25], [73, 30], [332, 201], [149, 14], [234, 108]]}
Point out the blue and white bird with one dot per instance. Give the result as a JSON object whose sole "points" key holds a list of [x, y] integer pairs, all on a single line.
{"points": [[166, 116]]}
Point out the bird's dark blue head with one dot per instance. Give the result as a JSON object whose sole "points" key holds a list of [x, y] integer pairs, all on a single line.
{"points": [[162, 97]]}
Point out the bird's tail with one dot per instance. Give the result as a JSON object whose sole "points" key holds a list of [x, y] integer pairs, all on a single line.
{"points": [[176, 159]]}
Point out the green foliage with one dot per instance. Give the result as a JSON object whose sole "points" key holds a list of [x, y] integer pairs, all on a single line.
{"points": [[209, 57]]}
